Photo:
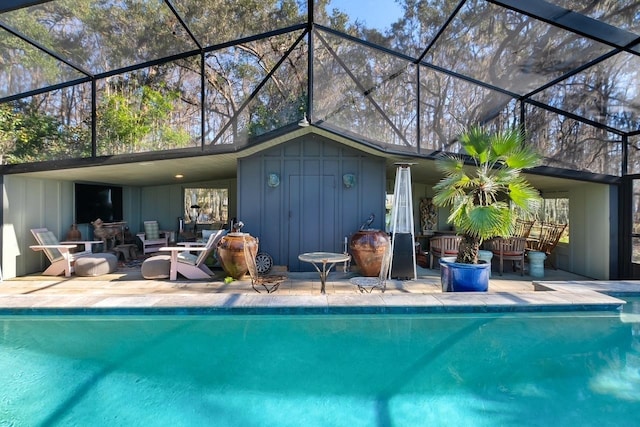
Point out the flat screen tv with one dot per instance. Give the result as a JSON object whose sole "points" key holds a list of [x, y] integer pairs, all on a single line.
{"points": [[95, 201]]}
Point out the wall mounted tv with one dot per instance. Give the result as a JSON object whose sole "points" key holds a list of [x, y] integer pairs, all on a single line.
{"points": [[95, 201]]}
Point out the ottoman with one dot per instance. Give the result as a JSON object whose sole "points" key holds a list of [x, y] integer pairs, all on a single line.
{"points": [[95, 265], [156, 267]]}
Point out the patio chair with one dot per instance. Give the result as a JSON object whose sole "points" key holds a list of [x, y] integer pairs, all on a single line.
{"points": [[59, 253], [270, 282], [522, 228], [153, 238], [509, 249], [442, 246], [546, 240], [368, 284], [189, 265]]}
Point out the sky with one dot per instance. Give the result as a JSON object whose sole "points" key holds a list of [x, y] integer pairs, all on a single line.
{"points": [[371, 12]]}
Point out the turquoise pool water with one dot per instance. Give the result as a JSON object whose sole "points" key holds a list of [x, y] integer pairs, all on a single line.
{"points": [[357, 370]]}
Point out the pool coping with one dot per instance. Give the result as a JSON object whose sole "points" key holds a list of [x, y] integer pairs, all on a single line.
{"points": [[557, 296]]}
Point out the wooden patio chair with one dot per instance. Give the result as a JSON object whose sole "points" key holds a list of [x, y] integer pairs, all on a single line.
{"points": [[547, 239], [509, 249], [190, 265], [270, 282], [441, 246], [59, 253], [368, 284], [522, 228], [153, 238]]}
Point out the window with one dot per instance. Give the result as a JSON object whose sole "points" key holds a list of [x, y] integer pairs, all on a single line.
{"points": [[555, 209], [212, 205]]}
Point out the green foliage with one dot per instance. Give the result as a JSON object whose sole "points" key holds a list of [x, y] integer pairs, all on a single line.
{"points": [[277, 113], [481, 196], [28, 135], [138, 120]]}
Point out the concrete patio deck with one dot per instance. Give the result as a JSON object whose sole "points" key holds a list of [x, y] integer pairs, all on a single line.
{"points": [[127, 292]]}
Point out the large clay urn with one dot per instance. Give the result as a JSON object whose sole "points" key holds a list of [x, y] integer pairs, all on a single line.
{"points": [[367, 248], [231, 253], [74, 234]]}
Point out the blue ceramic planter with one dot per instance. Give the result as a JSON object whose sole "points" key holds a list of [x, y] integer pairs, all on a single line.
{"points": [[456, 277]]}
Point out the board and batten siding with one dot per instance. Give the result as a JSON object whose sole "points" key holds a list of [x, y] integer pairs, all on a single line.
{"points": [[311, 209]]}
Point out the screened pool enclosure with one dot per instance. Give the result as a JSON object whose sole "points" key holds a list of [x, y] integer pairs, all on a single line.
{"points": [[86, 82]]}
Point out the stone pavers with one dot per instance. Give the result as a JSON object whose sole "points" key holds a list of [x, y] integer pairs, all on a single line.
{"points": [[127, 292]]}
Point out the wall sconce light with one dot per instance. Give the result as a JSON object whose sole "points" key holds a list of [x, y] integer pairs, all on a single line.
{"points": [[273, 180], [304, 122], [349, 180]]}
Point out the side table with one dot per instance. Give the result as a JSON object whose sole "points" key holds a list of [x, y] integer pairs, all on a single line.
{"points": [[128, 251]]}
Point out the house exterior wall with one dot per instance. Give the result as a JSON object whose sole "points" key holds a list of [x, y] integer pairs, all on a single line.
{"points": [[587, 252], [164, 203], [311, 209], [31, 203]]}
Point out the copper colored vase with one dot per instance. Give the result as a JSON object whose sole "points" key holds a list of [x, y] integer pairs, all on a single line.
{"points": [[367, 248], [231, 253], [74, 234]]}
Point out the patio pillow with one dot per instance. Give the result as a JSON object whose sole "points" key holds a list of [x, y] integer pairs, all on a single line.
{"points": [[151, 230]]}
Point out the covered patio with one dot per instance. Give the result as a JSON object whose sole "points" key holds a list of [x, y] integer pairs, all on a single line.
{"points": [[136, 94]]}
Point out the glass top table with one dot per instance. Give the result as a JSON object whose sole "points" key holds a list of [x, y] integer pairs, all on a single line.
{"points": [[327, 259]]}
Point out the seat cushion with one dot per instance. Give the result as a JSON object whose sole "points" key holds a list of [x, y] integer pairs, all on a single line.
{"points": [[156, 267], [512, 253], [187, 258], [96, 265], [151, 230]]}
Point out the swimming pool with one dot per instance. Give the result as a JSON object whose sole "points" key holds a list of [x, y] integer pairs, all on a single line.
{"points": [[349, 370]]}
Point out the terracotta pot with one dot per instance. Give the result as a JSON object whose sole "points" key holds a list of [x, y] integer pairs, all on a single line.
{"points": [[74, 234], [231, 253], [367, 248]]}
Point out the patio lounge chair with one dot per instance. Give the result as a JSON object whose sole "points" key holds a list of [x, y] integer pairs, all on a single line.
{"points": [[270, 282], [59, 253], [153, 238], [189, 265], [368, 284]]}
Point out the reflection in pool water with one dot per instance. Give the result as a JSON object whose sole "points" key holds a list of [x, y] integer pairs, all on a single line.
{"points": [[557, 369]]}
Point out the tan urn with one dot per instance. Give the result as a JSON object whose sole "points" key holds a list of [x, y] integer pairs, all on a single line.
{"points": [[367, 248], [74, 234], [231, 253]]}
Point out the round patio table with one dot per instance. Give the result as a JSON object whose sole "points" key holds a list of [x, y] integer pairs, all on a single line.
{"points": [[327, 259]]}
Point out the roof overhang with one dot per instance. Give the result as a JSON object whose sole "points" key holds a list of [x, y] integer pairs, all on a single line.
{"points": [[157, 169]]}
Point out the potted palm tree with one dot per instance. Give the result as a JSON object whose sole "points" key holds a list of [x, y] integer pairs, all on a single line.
{"points": [[481, 191]]}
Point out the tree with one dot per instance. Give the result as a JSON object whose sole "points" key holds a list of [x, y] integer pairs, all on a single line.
{"points": [[480, 196]]}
